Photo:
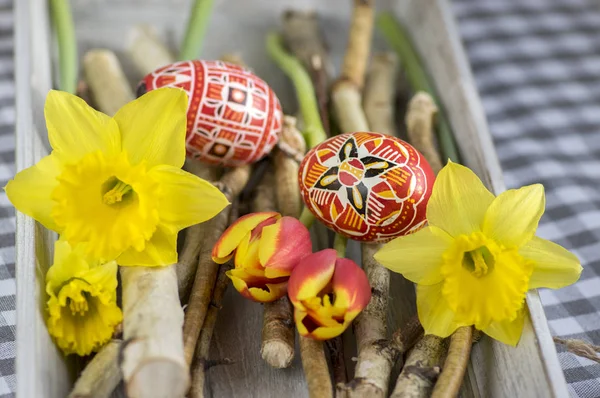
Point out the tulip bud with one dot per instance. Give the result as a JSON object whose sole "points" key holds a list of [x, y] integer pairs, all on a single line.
{"points": [[266, 247], [327, 293]]}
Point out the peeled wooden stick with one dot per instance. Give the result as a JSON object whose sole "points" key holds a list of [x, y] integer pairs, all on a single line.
{"points": [[379, 92], [419, 125], [146, 50], [277, 347], [231, 185], [153, 362], [106, 80], [421, 369], [313, 360], [359, 43], [101, 376], [304, 39], [455, 366]]}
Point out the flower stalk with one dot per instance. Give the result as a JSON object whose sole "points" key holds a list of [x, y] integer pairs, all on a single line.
{"points": [[196, 29], [455, 365], [314, 132], [62, 19], [399, 40]]}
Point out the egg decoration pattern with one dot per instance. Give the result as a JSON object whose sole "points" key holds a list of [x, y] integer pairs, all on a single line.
{"points": [[233, 118], [367, 186]]}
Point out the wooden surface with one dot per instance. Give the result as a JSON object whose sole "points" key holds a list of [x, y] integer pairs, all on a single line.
{"points": [[496, 371]]}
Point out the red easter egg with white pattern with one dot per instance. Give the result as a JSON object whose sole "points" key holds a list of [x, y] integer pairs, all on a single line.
{"points": [[233, 118], [367, 186]]}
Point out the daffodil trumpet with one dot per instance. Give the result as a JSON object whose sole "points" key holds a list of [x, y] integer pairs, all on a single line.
{"points": [[82, 304]]}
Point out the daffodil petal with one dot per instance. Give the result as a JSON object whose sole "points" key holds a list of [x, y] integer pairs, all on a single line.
{"points": [[418, 256], [513, 216], [186, 199], [30, 191], [153, 127], [160, 250], [435, 315], [553, 265], [233, 236], [76, 129], [67, 264], [507, 332], [458, 201]]}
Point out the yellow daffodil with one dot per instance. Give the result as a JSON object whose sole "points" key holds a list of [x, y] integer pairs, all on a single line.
{"points": [[478, 257], [116, 184], [82, 302]]}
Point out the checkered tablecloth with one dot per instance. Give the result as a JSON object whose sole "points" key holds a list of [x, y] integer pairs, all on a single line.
{"points": [[537, 67]]}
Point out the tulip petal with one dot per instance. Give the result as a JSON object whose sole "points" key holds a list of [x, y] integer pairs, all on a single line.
{"points": [[160, 250], [178, 207], [513, 216], [507, 332], [311, 275], [553, 265], [153, 127], [307, 327], [458, 201], [435, 315], [232, 237], [418, 256], [76, 129], [31, 190], [246, 255], [255, 288], [350, 286], [283, 245]]}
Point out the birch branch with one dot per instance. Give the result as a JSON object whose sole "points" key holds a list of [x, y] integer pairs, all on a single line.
{"points": [[379, 93], [146, 50], [421, 369], [419, 126], [356, 57], [107, 82], [203, 348], [304, 39], [231, 185], [102, 375], [153, 362]]}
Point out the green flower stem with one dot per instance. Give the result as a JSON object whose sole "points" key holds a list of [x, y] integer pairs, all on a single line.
{"points": [[398, 38], [314, 132], [339, 244], [67, 45], [196, 29], [307, 218]]}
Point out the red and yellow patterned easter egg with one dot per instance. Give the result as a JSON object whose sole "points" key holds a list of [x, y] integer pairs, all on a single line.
{"points": [[234, 117], [367, 186]]}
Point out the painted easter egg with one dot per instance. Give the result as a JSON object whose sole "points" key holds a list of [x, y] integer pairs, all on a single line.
{"points": [[367, 186], [233, 117]]}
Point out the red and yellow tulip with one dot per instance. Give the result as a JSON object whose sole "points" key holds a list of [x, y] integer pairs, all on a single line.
{"points": [[327, 293], [266, 247]]}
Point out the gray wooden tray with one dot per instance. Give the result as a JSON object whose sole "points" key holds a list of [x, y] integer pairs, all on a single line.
{"points": [[530, 370]]}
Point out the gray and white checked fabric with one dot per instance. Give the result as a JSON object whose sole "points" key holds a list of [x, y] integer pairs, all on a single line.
{"points": [[537, 67], [7, 214]]}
